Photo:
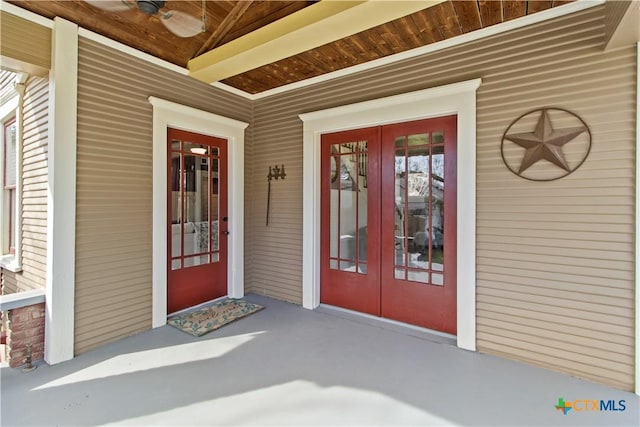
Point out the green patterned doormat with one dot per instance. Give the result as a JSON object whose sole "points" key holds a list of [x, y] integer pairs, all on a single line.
{"points": [[207, 319]]}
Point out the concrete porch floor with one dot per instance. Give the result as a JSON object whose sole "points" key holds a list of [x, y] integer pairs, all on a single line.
{"points": [[289, 366]]}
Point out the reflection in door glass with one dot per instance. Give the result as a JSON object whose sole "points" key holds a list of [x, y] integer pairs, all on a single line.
{"points": [[399, 231], [348, 207], [215, 213], [176, 208], [437, 209], [194, 204], [419, 214], [196, 208]]}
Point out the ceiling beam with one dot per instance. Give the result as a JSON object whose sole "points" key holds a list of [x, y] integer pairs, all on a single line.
{"points": [[227, 23], [313, 26]]}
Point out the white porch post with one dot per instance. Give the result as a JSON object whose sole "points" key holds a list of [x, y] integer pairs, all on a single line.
{"points": [[61, 199]]}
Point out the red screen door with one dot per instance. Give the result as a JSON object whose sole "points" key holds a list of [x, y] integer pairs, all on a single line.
{"points": [[197, 213], [388, 221]]}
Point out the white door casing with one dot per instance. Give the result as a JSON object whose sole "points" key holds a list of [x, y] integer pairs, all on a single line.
{"points": [[170, 114], [457, 98]]}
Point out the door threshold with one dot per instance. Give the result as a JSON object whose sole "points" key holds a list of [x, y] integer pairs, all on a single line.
{"points": [[195, 307], [389, 324]]}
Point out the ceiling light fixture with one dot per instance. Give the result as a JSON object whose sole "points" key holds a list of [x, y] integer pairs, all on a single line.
{"points": [[198, 150]]}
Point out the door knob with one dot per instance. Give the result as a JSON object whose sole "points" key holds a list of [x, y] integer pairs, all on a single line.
{"points": [[226, 233]]}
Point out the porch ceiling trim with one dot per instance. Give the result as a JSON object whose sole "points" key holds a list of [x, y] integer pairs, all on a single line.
{"points": [[524, 21]]}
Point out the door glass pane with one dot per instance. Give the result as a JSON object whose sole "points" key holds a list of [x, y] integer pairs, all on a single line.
{"points": [[348, 266], [196, 206], [347, 227], [362, 194], [437, 211], [196, 260], [10, 155], [176, 210], [414, 225], [400, 214], [437, 279], [438, 137], [417, 206], [194, 198], [348, 237], [418, 276], [215, 211], [334, 208], [418, 139], [194, 148]]}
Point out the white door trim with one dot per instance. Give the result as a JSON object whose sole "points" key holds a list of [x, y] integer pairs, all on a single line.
{"points": [[170, 114], [637, 238], [457, 98]]}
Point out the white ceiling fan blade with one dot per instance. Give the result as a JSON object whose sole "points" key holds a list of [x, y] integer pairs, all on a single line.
{"points": [[111, 5], [182, 24]]}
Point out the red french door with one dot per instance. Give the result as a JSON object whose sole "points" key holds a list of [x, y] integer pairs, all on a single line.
{"points": [[197, 219], [350, 220], [388, 221]]}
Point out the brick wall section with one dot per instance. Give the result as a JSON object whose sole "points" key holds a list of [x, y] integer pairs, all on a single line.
{"points": [[26, 326]]}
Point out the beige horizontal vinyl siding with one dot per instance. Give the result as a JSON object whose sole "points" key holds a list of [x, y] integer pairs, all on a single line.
{"points": [[555, 260], [276, 256], [6, 80], [24, 42], [114, 186], [35, 134]]}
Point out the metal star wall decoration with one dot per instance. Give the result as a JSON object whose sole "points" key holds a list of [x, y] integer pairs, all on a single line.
{"points": [[545, 142]]}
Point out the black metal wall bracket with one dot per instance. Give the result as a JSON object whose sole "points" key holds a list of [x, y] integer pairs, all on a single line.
{"points": [[275, 172]]}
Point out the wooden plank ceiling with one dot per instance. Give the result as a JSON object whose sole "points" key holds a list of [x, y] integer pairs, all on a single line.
{"points": [[229, 20]]}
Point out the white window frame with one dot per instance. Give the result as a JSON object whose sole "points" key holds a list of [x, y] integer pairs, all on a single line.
{"points": [[10, 101], [457, 98]]}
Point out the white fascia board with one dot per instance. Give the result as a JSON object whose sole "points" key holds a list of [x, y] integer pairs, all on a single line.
{"points": [[121, 47]]}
